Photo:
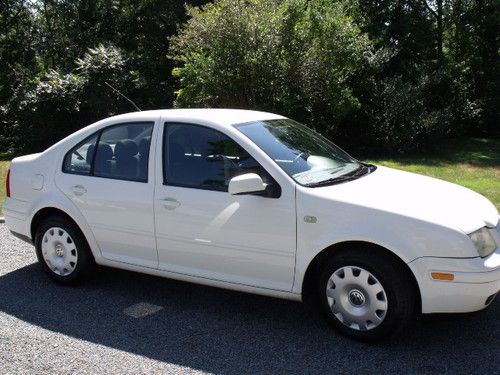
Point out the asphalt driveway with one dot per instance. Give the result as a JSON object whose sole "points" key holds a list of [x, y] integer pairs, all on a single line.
{"points": [[122, 322]]}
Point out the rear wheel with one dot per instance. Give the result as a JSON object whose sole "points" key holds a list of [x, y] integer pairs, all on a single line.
{"points": [[366, 295], [63, 251]]}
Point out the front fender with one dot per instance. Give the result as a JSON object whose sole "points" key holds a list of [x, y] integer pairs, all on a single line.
{"points": [[336, 222], [306, 251]]}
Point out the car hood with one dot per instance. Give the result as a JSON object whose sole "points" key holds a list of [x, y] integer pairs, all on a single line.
{"points": [[416, 196]]}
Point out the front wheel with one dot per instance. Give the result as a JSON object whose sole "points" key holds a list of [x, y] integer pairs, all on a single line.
{"points": [[366, 295], [62, 250]]}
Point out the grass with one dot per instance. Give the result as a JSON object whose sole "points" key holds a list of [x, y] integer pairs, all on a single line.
{"points": [[473, 163]]}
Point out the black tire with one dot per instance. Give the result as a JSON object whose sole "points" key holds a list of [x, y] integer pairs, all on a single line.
{"points": [[84, 263], [399, 293]]}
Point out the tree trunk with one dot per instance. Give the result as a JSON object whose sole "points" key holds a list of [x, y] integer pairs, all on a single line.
{"points": [[439, 32]]}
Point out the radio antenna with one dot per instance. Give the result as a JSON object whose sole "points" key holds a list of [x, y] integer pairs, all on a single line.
{"points": [[123, 96]]}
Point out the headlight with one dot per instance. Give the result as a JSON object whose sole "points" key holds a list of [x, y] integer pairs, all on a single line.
{"points": [[484, 242]]}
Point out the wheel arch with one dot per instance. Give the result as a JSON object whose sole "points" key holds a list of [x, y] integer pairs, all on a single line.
{"points": [[44, 213], [48, 211], [313, 268]]}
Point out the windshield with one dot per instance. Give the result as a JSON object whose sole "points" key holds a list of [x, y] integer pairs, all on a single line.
{"points": [[309, 158]]}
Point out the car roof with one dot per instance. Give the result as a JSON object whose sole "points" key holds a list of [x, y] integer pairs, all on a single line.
{"points": [[222, 116]]}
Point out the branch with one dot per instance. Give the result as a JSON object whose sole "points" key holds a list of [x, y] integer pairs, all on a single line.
{"points": [[433, 12], [14, 17]]}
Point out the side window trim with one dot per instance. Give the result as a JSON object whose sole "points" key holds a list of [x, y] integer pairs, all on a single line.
{"points": [[164, 166], [98, 133], [95, 153]]}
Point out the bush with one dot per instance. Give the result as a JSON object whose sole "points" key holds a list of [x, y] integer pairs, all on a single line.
{"points": [[403, 119], [399, 115], [310, 61], [294, 57], [60, 104]]}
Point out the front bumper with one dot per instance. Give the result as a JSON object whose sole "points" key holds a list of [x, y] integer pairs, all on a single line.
{"points": [[476, 281]]}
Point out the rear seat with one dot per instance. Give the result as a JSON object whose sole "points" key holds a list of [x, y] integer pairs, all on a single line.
{"points": [[143, 157], [103, 159], [126, 158], [128, 161]]}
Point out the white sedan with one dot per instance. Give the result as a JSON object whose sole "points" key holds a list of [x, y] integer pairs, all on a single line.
{"points": [[256, 202]]}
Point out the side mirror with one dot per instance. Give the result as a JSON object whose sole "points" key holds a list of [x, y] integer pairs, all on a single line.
{"points": [[246, 183]]}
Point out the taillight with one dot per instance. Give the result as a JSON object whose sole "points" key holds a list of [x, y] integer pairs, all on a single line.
{"points": [[7, 183]]}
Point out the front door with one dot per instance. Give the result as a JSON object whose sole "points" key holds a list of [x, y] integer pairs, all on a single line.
{"points": [[204, 231], [106, 177]]}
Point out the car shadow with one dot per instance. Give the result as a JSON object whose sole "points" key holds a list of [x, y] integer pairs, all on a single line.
{"points": [[222, 331]]}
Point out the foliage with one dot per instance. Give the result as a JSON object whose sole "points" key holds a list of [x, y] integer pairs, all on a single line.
{"points": [[56, 55], [47, 110], [439, 52], [387, 76], [379, 75], [295, 57]]}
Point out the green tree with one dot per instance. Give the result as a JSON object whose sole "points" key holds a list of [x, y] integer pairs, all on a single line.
{"points": [[63, 103], [40, 42], [383, 74], [294, 57]]}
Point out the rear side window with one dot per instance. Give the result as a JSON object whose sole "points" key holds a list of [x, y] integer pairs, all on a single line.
{"points": [[118, 152], [79, 159], [199, 157], [123, 152]]}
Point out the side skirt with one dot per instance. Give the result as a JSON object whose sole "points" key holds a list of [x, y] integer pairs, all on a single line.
{"points": [[201, 280]]}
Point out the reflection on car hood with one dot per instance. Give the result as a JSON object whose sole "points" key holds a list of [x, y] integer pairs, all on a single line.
{"points": [[416, 196]]}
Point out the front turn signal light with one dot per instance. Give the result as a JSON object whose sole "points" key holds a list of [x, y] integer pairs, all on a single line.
{"points": [[442, 276]]}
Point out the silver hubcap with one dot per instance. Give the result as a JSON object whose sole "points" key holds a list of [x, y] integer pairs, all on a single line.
{"points": [[59, 251], [356, 298]]}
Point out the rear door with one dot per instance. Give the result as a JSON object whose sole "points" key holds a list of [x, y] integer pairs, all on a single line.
{"points": [[109, 177]]}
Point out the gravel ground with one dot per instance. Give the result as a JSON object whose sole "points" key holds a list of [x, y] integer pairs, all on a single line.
{"points": [[122, 322]]}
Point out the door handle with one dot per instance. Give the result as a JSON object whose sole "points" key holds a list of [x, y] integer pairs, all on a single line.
{"points": [[78, 190], [170, 203]]}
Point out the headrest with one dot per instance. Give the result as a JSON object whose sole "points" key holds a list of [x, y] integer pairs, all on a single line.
{"points": [[144, 145], [126, 149], [90, 154], [104, 152]]}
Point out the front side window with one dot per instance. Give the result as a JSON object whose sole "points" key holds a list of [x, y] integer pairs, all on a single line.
{"points": [[80, 158], [119, 152], [200, 157], [306, 156]]}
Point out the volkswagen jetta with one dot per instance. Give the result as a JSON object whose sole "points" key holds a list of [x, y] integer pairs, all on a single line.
{"points": [[256, 202]]}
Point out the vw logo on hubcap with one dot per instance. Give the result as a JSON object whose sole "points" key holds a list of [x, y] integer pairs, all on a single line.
{"points": [[59, 250], [356, 297]]}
